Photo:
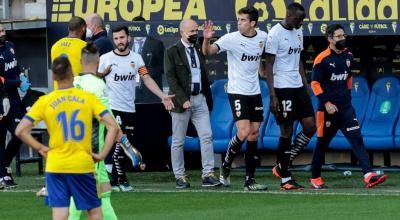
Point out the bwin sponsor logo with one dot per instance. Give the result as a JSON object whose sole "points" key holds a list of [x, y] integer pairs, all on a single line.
{"points": [[10, 65], [250, 57], [294, 50], [124, 77], [335, 77]]}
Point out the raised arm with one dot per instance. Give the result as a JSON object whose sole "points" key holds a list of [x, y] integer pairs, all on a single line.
{"points": [[208, 33]]}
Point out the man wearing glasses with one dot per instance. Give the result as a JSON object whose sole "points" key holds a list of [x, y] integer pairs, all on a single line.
{"points": [[288, 91], [331, 83]]}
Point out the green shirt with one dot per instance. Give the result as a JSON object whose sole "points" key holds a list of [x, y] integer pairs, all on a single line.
{"points": [[92, 84]]}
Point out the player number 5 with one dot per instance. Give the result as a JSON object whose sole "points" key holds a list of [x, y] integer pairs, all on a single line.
{"points": [[237, 105], [71, 126]]}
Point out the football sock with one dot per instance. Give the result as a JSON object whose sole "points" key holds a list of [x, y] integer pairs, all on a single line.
{"points": [[233, 148]]}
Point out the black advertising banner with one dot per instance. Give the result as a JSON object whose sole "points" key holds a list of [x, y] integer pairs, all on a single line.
{"points": [[359, 17]]}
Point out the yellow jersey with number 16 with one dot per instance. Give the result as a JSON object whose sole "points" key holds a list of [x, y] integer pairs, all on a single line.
{"points": [[68, 115]]}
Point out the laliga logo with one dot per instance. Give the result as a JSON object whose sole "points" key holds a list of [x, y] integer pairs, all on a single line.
{"points": [[323, 28], [160, 29], [147, 27]]}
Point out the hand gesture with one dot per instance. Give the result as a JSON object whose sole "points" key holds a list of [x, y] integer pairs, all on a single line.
{"points": [[187, 105], [107, 70], [274, 104], [167, 101], [43, 151], [331, 108], [25, 84], [208, 29], [97, 157]]}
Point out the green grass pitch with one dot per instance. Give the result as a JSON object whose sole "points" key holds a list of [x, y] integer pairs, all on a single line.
{"points": [[155, 197]]}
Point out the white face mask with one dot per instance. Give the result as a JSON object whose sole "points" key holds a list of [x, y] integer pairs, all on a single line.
{"points": [[89, 33], [138, 38]]}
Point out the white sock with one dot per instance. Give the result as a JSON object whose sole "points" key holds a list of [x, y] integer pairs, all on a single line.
{"points": [[284, 180]]}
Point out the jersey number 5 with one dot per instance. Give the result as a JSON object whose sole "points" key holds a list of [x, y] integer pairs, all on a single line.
{"points": [[71, 126]]}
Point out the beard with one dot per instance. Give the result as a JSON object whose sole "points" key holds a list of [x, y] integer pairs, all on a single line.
{"points": [[122, 47]]}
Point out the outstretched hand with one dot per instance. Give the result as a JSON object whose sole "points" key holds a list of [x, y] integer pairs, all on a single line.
{"points": [[208, 29]]}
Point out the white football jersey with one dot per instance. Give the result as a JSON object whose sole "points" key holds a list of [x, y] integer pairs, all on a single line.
{"points": [[244, 55], [121, 81], [286, 45]]}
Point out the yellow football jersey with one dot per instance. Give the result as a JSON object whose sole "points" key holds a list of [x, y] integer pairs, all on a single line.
{"points": [[72, 48], [68, 115]]}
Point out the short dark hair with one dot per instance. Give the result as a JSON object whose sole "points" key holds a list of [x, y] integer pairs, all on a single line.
{"points": [[90, 53], [251, 11], [330, 30], [294, 7], [120, 28], [61, 67], [76, 23], [138, 18]]}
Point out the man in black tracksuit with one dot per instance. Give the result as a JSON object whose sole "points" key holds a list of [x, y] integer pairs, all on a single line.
{"points": [[10, 74], [332, 83]]}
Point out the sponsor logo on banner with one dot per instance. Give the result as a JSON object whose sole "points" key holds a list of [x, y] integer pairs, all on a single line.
{"points": [[352, 26], [394, 26], [310, 27], [323, 28], [161, 30], [147, 27], [108, 29], [228, 28]]}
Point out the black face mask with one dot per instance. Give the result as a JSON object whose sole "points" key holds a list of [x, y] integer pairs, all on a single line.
{"points": [[3, 40], [192, 38], [341, 44]]}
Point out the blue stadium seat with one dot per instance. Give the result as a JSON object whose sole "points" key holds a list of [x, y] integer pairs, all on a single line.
{"points": [[265, 99], [270, 139], [360, 95], [221, 116], [397, 135], [191, 143], [383, 109]]}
